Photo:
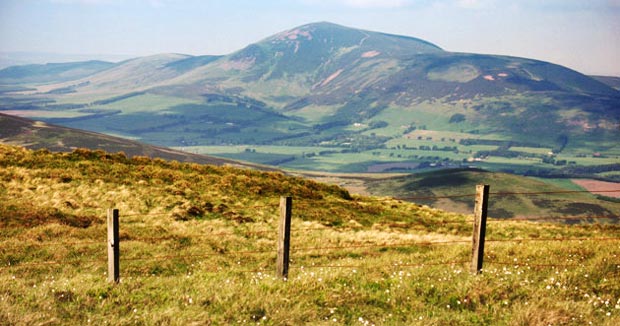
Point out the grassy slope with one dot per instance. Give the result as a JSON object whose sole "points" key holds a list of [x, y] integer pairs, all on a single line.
{"points": [[36, 135], [198, 247], [463, 181]]}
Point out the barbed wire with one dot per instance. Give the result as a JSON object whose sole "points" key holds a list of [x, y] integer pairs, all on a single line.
{"points": [[433, 197], [144, 214], [543, 218], [553, 239], [384, 245], [173, 212], [53, 244], [231, 253], [394, 266], [208, 235], [250, 233], [207, 269], [528, 264], [551, 192], [51, 263], [159, 258], [303, 202]]}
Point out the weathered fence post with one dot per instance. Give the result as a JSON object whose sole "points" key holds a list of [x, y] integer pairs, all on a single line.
{"points": [[284, 236], [113, 247], [480, 227]]}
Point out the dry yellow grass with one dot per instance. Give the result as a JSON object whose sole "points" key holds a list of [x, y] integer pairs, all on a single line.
{"points": [[198, 248]]}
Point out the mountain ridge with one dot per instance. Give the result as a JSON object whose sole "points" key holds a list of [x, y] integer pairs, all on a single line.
{"points": [[328, 85], [290, 53]]}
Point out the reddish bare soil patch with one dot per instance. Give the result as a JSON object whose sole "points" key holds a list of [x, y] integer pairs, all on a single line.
{"points": [[599, 187], [370, 54]]}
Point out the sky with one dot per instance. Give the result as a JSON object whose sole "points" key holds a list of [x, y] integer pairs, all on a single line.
{"points": [[581, 34]]}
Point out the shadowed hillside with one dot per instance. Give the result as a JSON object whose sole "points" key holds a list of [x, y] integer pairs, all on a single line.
{"points": [[38, 135]]}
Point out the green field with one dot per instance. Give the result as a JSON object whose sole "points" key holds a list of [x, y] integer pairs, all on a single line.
{"points": [[358, 136], [150, 103], [338, 159]]}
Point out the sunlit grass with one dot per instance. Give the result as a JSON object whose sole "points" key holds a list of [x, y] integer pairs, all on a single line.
{"points": [[198, 246]]}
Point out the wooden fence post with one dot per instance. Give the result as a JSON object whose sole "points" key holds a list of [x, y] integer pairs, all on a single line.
{"points": [[480, 227], [284, 236], [113, 247]]}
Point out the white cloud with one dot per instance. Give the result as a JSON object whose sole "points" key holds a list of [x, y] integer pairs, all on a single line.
{"points": [[475, 4], [395, 4], [362, 4], [153, 3], [468, 3], [376, 3], [82, 2]]}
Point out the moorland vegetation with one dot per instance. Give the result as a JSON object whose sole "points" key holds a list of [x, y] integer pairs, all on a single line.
{"points": [[198, 247]]}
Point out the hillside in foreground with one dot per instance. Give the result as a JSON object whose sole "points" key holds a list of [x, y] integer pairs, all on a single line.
{"points": [[198, 247]]}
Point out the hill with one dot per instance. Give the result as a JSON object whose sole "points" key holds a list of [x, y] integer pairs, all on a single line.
{"points": [[359, 97], [609, 80], [51, 72], [198, 246], [437, 189], [38, 135], [129, 76]]}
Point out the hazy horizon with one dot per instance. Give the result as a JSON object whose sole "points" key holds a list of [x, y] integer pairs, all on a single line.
{"points": [[580, 35]]}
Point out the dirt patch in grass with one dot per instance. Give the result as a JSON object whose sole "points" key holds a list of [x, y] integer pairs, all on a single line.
{"points": [[599, 187]]}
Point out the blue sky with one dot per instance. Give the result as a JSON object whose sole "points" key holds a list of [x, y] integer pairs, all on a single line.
{"points": [[581, 34]]}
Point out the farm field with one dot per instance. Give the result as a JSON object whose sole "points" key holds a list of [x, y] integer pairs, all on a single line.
{"points": [[405, 156], [599, 187], [397, 139]]}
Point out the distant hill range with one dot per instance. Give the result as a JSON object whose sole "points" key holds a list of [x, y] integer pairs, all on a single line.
{"points": [[51, 72], [323, 84]]}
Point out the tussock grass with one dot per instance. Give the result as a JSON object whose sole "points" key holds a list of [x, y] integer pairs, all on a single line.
{"points": [[198, 247]]}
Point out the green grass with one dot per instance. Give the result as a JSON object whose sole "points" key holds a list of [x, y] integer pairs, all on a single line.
{"points": [[339, 159], [315, 114], [433, 116], [198, 247], [460, 72], [191, 122], [562, 183], [152, 103], [45, 114], [532, 150]]}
